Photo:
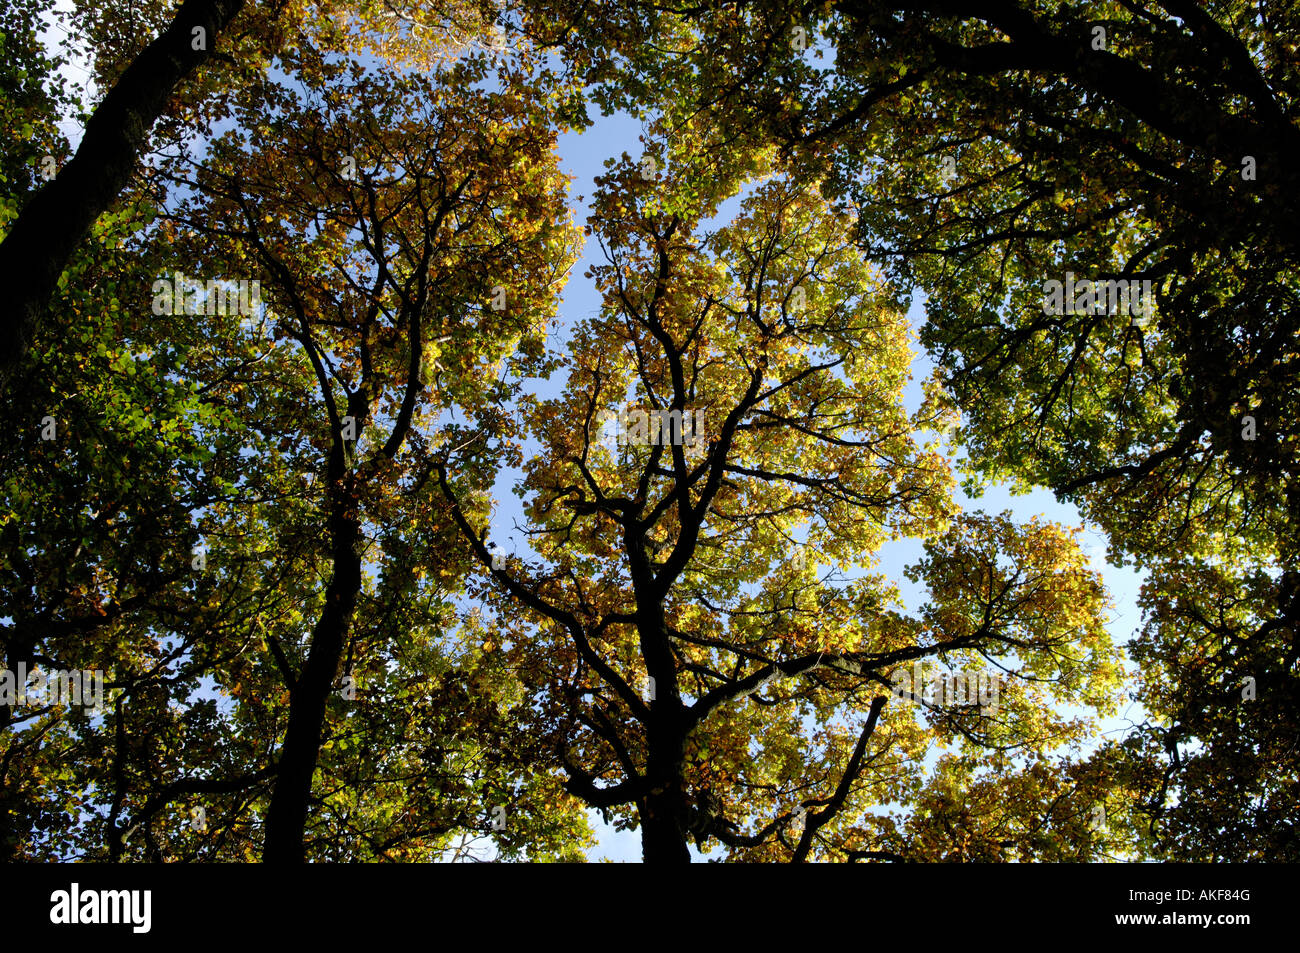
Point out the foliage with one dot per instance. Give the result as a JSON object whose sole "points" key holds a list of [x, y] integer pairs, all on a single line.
{"points": [[268, 522]]}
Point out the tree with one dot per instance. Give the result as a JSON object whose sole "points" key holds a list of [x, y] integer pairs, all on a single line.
{"points": [[95, 526], [1225, 735], [246, 612], [697, 666], [42, 238], [424, 206], [160, 83], [993, 148], [100, 480]]}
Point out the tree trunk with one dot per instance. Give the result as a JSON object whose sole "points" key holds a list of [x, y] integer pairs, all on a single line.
{"points": [[286, 819], [47, 231], [663, 828], [664, 812]]}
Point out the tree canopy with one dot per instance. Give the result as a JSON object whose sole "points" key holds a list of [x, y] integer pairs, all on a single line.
{"points": [[292, 325]]}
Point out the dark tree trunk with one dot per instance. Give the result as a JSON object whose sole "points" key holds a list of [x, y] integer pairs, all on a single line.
{"points": [[286, 819], [663, 828], [665, 811], [46, 232]]}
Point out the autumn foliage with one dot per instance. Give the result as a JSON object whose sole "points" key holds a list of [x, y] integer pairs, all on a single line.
{"points": [[280, 530]]}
